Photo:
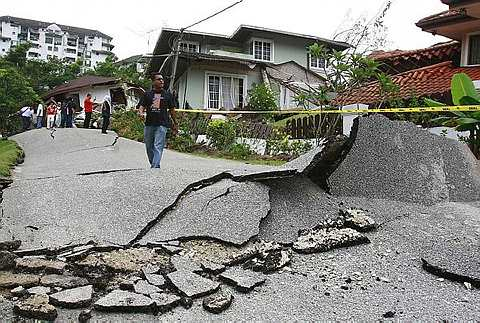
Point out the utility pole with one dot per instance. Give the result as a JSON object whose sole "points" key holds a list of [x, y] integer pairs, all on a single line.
{"points": [[176, 47]]}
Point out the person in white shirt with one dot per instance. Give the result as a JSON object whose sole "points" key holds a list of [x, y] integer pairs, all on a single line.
{"points": [[26, 114], [40, 115]]}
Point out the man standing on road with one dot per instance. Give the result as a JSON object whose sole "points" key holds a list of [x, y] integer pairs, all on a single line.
{"points": [[88, 109], [106, 113], [158, 104]]}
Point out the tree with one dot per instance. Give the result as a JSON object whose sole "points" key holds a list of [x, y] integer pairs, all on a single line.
{"points": [[463, 93], [127, 74], [15, 92]]}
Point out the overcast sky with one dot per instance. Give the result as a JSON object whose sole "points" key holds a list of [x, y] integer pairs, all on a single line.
{"points": [[135, 25]]}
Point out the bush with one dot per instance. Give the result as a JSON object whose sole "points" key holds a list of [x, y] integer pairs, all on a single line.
{"points": [[221, 134], [240, 151], [128, 125], [280, 143], [182, 142], [262, 98]]}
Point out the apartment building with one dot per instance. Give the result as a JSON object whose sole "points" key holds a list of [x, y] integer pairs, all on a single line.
{"points": [[50, 40]]}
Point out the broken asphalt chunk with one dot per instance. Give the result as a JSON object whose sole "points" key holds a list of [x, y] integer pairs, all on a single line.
{"points": [[63, 281], [40, 265], [143, 287], [19, 291], [211, 267], [165, 302], [10, 245], [84, 316], [269, 262], [7, 260], [191, 284], [243, 280], [123, 301], [156, 280], [73, 298], [36, 307], [321, 240], [10, 280], [218, 302], [39, 290], [358, 220], [185, 263]]}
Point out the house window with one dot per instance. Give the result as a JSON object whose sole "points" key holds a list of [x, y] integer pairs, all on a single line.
{"points": [[58, 41], [225, 92], [55, 49], [49, 40], [189, 47], [316, 62], [474, 50], [262, 50], [50, 48]]}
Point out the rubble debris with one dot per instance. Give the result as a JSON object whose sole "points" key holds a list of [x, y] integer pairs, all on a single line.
{"points": [[11, 280], [185, 263], [165, 302], [427, 168], [73, 298], [243, 280], [7, 260], [128, 283], [358, 220], [40, 265], [36, 307], [39, 290], [63, 281], [19, 291], [246, 203], [84, 316], [269, 262], [321, 240], [171, 249], [10, 245], [212, 267], [150, 269], [256, 250], [191, 284], [218, 302], [126, 261], [143, 287], [156, 280], [296, 203], [123, 301]]}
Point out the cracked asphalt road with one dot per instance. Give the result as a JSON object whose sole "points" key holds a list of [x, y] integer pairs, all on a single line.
{"points": [[357, 283]]}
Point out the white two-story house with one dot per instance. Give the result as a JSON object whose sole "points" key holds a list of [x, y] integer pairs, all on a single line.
{"points": [[51, 40], [217, 71]]}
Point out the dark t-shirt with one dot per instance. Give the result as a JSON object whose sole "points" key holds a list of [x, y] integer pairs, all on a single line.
{"points": [[157, 106]]}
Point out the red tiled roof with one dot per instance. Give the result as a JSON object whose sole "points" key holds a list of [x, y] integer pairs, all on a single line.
{"points": [[427, 81], [445, 17], [399, 61], [435, 50]]}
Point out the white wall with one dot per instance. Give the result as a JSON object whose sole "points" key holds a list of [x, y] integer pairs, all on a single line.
{"points": [[348, 118]]}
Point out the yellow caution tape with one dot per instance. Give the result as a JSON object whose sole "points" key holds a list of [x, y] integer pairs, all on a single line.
{"points": [[349, 111]]}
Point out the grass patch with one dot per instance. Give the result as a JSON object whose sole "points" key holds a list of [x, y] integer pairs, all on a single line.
{"points": [[9, 154]]}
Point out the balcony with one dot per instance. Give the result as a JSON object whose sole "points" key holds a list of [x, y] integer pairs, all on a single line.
{"points": [[225, 53]]}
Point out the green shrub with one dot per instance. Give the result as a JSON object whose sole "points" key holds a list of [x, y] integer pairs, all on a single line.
{"points": [[221, 134], [128, 124], [182, 142], [10, 154], [240, 151], [262, 98], [280, 143]]}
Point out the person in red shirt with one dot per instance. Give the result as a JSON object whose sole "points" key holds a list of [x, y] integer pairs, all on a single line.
{"points": [[88, 108], [51, 112]]}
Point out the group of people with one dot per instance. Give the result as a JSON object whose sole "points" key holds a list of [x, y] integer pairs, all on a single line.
{"points": [[58, 114], [156, 107]]}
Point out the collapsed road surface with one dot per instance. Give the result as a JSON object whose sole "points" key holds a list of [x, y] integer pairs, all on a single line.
{"points": [[384, 224]]}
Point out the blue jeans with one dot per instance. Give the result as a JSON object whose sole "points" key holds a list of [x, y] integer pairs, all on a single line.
{"points": [[39, 122], [154, 137]]}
